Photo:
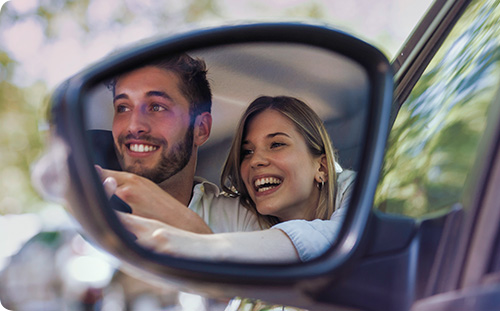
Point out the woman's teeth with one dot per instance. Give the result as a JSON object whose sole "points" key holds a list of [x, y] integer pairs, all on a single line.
{"points": [[267, 183]]}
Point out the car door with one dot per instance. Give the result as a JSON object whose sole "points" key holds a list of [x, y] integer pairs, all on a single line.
{"points": [[442, 166]]}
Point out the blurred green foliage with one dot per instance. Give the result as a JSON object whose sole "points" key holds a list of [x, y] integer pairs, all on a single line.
{"points": [[434, 142], [21, 141]]}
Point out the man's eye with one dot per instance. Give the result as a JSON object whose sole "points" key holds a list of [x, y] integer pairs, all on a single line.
{"points": [[157, 108], [121, 108]]}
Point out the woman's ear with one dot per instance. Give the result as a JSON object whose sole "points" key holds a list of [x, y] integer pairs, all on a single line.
{"points": [[322, 172], [202, 128]]}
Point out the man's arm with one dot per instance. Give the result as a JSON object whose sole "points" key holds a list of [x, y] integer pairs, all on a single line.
{"points": [[146, 199]]}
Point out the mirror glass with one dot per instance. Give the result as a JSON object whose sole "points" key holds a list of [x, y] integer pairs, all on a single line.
{"points": [[334, 86]]}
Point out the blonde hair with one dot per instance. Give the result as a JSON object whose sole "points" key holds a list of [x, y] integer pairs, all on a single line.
{"points": [[310, 126]]}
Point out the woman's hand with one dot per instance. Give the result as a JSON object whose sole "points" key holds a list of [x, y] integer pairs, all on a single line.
{"points": [[166, 239]]}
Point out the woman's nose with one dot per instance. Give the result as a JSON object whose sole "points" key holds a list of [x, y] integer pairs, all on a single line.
{"points": [[259, 159]]}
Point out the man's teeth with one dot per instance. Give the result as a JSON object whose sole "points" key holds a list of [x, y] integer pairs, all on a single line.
{"points": [[264, 184], [142, 148]]}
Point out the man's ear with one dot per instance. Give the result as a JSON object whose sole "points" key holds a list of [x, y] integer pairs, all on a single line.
{"points": [[322, 173], [202, 128]]}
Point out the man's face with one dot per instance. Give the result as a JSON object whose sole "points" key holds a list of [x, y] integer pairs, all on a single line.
{"points": [[151, 126]]}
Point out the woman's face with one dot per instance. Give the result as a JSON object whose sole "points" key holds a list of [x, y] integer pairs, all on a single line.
{"points": [[277, 168]]}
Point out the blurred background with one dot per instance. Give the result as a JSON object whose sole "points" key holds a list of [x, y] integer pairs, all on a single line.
{"points": [[44, 263]]}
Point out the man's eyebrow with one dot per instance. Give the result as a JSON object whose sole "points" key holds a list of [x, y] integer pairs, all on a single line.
{"points": [[120, 96], [148, 94], [159, 93]]}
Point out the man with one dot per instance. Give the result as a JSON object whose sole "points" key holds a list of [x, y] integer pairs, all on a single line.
{"points": [[162, 115]]}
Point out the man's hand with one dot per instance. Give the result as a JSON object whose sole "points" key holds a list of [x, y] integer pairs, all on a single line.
{"points": [[148, 200]]}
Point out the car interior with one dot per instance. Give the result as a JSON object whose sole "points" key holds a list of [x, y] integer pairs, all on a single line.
{"points": [[335, 87]]}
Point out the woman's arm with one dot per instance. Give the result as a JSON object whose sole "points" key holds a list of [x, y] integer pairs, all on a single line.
{"points": [[266, 246]]}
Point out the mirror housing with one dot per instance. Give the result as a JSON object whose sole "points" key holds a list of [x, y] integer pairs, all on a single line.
{"points": [[88, 203]]}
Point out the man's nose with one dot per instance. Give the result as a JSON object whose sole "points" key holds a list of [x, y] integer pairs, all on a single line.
{"points": [[139, 122]]}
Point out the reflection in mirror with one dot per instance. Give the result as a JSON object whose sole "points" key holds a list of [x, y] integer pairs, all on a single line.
{"points": [[272, 178]]}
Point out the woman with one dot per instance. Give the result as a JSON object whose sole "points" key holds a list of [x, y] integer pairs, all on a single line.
{"points": [[281, 166], [299, 131]]}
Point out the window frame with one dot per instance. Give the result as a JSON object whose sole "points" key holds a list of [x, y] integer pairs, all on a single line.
{"points": [[421, 46]]}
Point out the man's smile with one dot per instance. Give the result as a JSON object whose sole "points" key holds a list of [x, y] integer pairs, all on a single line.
{"points": [[141, 148]]}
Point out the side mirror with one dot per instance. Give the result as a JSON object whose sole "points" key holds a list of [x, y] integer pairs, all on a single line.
{"points": [[345, 80]]}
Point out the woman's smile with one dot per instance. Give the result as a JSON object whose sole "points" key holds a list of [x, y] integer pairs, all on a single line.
{"points": [[266, 185]]}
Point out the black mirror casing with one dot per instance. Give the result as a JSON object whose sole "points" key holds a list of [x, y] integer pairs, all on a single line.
{"points": [[89, 205]]}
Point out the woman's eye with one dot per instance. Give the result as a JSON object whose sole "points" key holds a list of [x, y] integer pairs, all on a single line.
{"points": [[276, 145], [246, 152]]}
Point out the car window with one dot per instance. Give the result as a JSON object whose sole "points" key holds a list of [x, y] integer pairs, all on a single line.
{"points": [[434, 141]]}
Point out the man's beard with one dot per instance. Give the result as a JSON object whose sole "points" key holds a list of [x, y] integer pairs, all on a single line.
{"points": [[169, 164]]}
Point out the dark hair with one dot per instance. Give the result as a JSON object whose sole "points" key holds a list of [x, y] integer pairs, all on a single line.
{"points": [[310, 126], [192, 73]]}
